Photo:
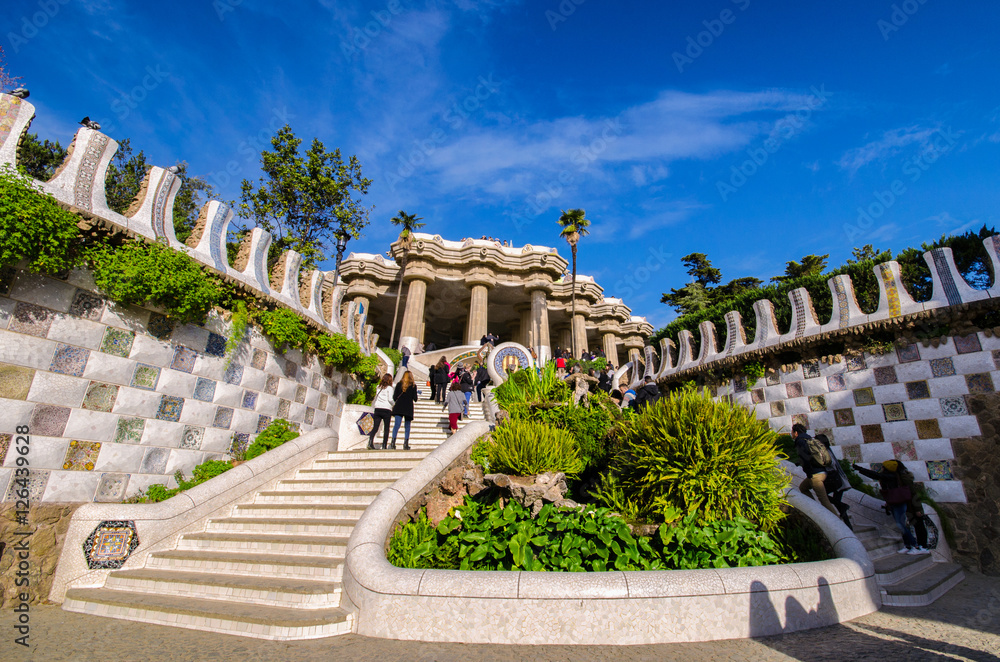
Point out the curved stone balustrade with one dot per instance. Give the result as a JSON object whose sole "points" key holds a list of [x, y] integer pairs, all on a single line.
{"points": [[79, 184], [949, 289], [595, 607]]}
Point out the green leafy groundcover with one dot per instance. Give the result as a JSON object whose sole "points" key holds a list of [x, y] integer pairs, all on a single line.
{"points": [[493, 536]]}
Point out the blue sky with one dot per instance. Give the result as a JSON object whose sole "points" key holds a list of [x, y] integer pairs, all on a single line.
{"points": [[750, 131]]}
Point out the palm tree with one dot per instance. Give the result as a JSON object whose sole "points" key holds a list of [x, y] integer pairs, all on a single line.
{"points": [[409, 223], [574, 226]]}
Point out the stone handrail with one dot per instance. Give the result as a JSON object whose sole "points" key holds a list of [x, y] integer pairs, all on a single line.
{"points": [[949, 290], [159, 525], [595, 607]]}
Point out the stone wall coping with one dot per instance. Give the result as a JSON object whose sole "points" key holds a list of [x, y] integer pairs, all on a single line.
{"points": [[159, 525], [575, 608]]}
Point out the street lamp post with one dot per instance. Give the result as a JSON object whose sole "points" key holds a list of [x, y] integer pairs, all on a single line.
{"points": [[342, 238]]}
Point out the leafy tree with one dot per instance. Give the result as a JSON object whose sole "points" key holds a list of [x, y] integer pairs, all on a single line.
{"points": [[698, 294], [869, 253], [736, 286], [39, 159], [700, 268], [7, 81], [124, 179], [811, 265], [34, 227], [409, 223], [193, 194], [574, 226], [305, 200]]}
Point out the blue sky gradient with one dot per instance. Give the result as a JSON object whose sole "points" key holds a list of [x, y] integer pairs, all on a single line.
{"points": [[754, 132]]}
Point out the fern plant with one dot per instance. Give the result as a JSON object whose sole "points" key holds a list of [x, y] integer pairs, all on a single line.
{"points": [[525, 448]]}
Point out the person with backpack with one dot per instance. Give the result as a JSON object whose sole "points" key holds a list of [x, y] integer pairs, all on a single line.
{"points": [[383, 410], [836, 483], [898, 491], [647, 394], [814, 459]]}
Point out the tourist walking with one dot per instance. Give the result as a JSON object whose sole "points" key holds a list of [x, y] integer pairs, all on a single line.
{"points": [[456, 403], [647, 394], [814, 459], [441, 380], [897, 486], [466, 384], [431, 374], [383, 410], [406, 356], [404, 395], [836, 483], [482, 380]]}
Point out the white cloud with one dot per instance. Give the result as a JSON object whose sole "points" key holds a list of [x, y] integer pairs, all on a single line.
{"points": [[891, 143]]}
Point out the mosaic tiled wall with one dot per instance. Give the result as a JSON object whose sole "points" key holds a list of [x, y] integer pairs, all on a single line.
{"points": [[117, 399], [907, 405]]}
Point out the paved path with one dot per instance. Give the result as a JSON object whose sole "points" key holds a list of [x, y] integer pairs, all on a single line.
{"points": [[963, 625]]}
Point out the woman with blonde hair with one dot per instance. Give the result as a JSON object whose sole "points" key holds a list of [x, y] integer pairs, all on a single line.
{"points": [[404, 395]]}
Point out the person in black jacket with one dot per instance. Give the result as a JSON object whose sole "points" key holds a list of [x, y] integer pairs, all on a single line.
{"points": [[815, 474], [431, 373], [647, 394], [482, 380], [441, 380], [466, 384], [404, 395], [898, 491]]}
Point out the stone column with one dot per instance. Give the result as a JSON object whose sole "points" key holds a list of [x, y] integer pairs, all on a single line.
{"points": [[565, 337], [526, 337], [580, 334], [478, 322], [413, 316], [540, 326], [611, 348]]}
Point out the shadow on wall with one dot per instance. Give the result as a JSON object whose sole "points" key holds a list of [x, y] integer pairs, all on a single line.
{"points": [[764, 618]]}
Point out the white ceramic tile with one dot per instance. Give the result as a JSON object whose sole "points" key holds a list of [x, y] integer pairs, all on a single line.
{"points": [[24, 350], [91, 425], [108, 368], [954, 427], [899, 431], [149, 350], [45, 453], [137, 402], [198, 413], [55, 389], [945, 387], [71, 486], [946, 491], [43, 291], [76, 331], [119, 458]]}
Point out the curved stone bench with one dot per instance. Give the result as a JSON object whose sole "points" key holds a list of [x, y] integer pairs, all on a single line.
{"points": [[597, 607]]}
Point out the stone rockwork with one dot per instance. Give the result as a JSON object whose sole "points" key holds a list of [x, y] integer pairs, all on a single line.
{"points": [[460, 479], [47, 524], [533, 492], [977, 465]]}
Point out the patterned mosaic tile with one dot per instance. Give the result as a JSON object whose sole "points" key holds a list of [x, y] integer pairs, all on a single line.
{"points": [[315, 381], [5, 439], [291, 369], [928, 429], [81, 455], [145, 377], [31, 319], [283, 407], [271, 386], [263, 422], [111, 489], [980, 383], [193, 436], [773, 378], [908, 354], [836, 383], [864, 396], [817, 403], [917, 390], [939, 470], [855, 363], [794, 389], [87, 305], [968, 344], [330, 421], [159, 326], [757, 396], [828, 432], [954, 407], [69, 360], [324, 401], [100, 396], [328, 372], [810, 369], [216, 345], [872, 434], [170, 408], [234, 374], [118, 342], [249, 400], [15, 381], [894, 411], [800, 419], [240, 442], [886, 375], [843, 417], [300, 394], [852, 453], [129, 430], [904, 450], [184, 358], [942, 367], [310, 415], [259, 360], [35, 484], [155, 461], [49, 420], [204, 389], [110, 544], [223, 418]]}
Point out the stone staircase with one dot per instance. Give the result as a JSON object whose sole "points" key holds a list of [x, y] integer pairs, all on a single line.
{"points": [[269, 567], [905, 580]]}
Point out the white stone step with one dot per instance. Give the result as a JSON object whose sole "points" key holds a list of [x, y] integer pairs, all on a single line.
{"points": [[353, 497], [301, 509], [383, 456], [282, 525], [371, 460], [265, 543], [897, 567], [347, 474], [279, 623], [329, 568], [351, 484], [923, 588], [246, 589]]}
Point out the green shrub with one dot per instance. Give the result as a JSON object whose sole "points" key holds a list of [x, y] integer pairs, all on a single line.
{"points": [[416, 545], [284, 327], [138, 273], [394, 355], [688, 544], [527, 391], [689, 453], [525, 448], [210, 469], [157, 493], [786, 446], [359, 397], [753, 371], [34, 227], [275, 434]]}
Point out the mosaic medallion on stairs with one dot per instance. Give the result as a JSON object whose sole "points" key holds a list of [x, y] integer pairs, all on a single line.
{"points": [[110, 545]]}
